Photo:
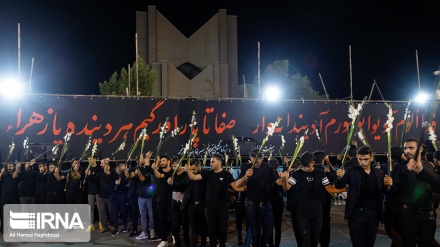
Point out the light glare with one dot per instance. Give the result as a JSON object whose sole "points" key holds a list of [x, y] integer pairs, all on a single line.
{"points": [[11, 88], [272, 94], [421, 98]]}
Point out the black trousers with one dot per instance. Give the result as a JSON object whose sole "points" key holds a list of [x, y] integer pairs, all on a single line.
{"points": [[197, 221], [180, 220], [164, 215], [277, 209], [134, 211], [8, 199], [55, 198], [118, 202], [74, 197], [310, 229], [295, 224], [416, 226], [240, 217], [324, 238], [218, 226], [390, 214], [363, 224]]}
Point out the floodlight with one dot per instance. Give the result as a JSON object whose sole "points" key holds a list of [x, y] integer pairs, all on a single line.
{"points": [[11, 87], [272, 93], [421, 98]]}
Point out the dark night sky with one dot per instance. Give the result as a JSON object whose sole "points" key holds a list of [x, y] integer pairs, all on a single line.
{"points": [[77, 44]]}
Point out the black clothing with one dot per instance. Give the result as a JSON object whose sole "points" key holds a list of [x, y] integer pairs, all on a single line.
{"points": [[416, 218], [9, 184], [144, 188], [260, 185], [106, 184], [353, 162], [55, 190], [92, 181], [28, 180], [40, 188], [217, 195], [363, 215]]}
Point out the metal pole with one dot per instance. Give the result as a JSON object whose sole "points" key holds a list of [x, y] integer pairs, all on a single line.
{"points": [[322, 81], [258, 77], [30, 77], [418, 71], [19, 51], [351, 74], [129, 82], [137, 66]]}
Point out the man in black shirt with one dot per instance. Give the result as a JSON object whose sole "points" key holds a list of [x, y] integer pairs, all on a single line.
{"points": [[260, 183], [55, 186], [179, 214], [9, 180], [194, 199], [145, 202], [74, 183], [106, 185], [162, 170], [92, 184], [27, 182], [277, 202], [118, 197], [40, 184], [364, 208], [351, 159], [417, 217], [217, 197]]}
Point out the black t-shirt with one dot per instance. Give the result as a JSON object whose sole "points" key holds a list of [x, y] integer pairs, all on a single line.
{"points": [[217, 195], [144, 187], [92, 182], [55, 186], [72, 184], [27, 185], [40, 185], [164, 190], [9, 184], [309, 190], [260, 186]]}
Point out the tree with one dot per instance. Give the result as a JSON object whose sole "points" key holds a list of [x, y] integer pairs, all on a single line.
{"points": [[293, 86], [118, 83]]}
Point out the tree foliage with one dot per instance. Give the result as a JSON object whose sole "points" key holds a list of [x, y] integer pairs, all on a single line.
{"points": [[292, 86], [118, 82]]}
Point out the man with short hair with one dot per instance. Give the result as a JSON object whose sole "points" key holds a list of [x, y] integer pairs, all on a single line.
{"points": [[55, 186], [217, 197], [260, 181], [9, 180], [40, 184], [417, 217], [106, 185], [118, 197], [27, 183], [92, 183], [364, 208], [74, 183]]}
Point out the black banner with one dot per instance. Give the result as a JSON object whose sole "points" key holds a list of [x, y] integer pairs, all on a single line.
{"points": [[45, 120]]}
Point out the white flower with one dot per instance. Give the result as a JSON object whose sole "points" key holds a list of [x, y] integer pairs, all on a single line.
{"points": [[88, 145], [361, 135], [390, 120], [352, 112], [432, 135], [55, 150], [122, 146], [67, 136], [95, 148], [271, 129], [143, 134], [26, 143], [282, 141], [186, 148], [192, 125], [301, 140]]}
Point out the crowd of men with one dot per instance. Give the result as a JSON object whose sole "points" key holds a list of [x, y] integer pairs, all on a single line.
{"points": [[168, 197]]}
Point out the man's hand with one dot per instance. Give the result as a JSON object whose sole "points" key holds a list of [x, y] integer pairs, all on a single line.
{"points": [[57, 171], [414, 166], [387, 180], [170, 180], [340, 173], [88, 172], [249, 172], [148, 155]]}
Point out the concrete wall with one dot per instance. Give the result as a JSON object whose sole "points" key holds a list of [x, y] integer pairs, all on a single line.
{"points": [[212, 48]]}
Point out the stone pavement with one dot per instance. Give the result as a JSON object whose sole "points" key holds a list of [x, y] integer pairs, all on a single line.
{"points": [[340, 236]]}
